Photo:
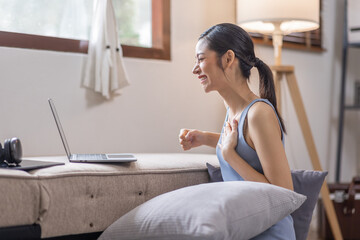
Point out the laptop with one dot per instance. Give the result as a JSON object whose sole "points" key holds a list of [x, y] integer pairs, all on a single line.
{"points": [[89, 158]]}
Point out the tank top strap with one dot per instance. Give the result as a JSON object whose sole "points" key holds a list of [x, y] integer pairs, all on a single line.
{"points": [[246, 110]]}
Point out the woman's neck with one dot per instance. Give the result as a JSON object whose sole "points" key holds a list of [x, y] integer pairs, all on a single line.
{"points": [[236, 92], [237, 99]]}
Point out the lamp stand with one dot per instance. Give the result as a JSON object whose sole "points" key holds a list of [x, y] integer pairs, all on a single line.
{"points": [[279, 71], [277, 39]]}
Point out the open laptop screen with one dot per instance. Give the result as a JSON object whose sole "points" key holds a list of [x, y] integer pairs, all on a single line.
{"points": [[58, 124]]}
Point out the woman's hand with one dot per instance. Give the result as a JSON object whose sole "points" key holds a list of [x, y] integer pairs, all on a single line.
{"points": [[229, 138], [191, 138]]}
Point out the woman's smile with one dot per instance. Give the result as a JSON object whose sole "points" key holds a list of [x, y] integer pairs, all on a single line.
{"points": [[202, 78]]}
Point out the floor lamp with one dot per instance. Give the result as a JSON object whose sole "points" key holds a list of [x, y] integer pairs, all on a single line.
{"points": [[278, 18]]}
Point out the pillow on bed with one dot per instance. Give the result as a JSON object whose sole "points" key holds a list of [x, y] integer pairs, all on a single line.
{"points": [[223, 210], [305, 182], [308, 183], [215, 173]]}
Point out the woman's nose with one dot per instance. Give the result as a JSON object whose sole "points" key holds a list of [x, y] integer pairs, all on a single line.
{"points": [[196, 68]]}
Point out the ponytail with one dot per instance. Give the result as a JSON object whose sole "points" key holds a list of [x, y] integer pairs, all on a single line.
{"points": [[267, 87]]}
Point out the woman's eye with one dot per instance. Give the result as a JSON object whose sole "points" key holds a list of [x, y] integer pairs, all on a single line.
{"points": [[200, 59]]}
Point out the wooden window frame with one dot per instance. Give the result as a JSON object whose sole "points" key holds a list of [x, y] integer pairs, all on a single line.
{"points": [[160, 38]]}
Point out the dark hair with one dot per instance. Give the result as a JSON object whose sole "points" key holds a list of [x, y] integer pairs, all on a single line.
{"points": [[226, 36]]}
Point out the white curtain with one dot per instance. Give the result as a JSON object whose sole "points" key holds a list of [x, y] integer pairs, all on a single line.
{"points": [[104, 70]]}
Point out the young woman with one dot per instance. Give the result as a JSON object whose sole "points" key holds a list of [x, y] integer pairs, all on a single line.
{"points": [[250, 146]]}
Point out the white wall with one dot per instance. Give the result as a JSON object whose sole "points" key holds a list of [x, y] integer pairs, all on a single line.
{"points": [[164, 96]]}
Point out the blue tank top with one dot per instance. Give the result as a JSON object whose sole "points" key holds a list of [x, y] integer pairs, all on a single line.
{"points": [[284, 229]]}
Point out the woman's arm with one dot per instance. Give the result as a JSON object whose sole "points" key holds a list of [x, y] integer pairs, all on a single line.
{"points": [[190, 138], [264, 132], [242, 167], [211, 139]]}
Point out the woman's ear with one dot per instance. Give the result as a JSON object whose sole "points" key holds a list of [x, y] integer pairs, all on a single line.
{"points": [[228, 58]]}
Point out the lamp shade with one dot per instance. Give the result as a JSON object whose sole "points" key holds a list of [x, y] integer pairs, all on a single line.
{"points": [[292, 15]]}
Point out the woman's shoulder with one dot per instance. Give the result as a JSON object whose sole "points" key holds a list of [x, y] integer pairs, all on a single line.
{"points": [[263, 121], [261, 111]]}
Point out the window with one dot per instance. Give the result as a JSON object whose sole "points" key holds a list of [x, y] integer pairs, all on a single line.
{"points": [[160, 34], [137, 16], [64, 25], [64, 19]]}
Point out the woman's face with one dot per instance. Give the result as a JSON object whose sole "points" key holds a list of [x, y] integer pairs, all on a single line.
{"points": [[206, 67]]}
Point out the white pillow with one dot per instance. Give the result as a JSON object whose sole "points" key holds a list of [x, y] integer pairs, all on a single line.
{"points": [[223, 210]]}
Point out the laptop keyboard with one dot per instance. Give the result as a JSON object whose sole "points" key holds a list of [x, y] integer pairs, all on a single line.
{"points": [[90, 156]]}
